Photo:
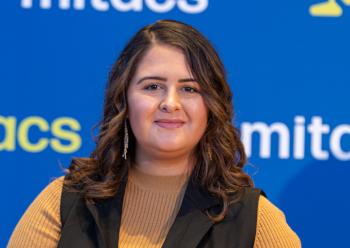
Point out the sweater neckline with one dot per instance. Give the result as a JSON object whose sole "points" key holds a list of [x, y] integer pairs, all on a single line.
{"points": [[158, 183]]}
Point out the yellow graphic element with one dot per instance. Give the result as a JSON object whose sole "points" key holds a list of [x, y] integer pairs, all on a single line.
{"points": [[23, 131], [329, 8], [72, 137], [9, 141], [62, 129]]}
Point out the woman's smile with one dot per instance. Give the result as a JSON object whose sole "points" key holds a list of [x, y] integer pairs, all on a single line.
{"points": [[169, 123]]}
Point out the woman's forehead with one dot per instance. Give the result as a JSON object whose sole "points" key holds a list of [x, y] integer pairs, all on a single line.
{"points": [[163, 60]]}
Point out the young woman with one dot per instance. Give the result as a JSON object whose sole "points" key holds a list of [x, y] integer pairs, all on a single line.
{"points": [[167, 168]]}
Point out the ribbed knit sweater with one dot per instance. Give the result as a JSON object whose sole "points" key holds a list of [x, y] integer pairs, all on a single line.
{"points": [[149, 209]]}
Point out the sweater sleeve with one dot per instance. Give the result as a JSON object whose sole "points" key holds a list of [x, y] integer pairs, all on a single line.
{"points": [[272, 230], [40, 225]]}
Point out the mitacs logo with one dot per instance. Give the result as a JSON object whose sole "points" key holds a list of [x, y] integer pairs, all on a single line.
{"points": [[292, 142], [187, 6], [330, 8], [62, 134]]}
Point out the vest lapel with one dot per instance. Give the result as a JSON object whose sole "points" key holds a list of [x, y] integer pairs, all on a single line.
{"points": [[107, 217], [189, 227], [191, 223]]}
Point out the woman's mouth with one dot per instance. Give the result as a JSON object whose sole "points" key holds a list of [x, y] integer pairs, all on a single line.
{"points": [[165, 123]]}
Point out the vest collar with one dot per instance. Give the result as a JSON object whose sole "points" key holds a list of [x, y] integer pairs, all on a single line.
{"points": [[191, 222], [190, 225]]}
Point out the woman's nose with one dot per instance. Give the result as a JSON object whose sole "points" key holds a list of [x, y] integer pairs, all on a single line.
{"points": [[170, 101]]}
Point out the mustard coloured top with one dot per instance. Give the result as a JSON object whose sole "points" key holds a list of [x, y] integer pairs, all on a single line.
{"points": [[149, 208]]}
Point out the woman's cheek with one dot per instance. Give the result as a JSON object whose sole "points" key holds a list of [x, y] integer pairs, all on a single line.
{"points": [[197, 107], [145, 109]]}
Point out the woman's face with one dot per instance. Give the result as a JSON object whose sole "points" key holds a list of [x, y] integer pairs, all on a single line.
{"points": [[166, 110]]}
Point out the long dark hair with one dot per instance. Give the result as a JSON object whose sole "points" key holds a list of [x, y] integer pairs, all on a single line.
{"points": [[219, 154]]}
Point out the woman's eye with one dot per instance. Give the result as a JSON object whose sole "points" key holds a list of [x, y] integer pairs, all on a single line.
{"points": [[151, 87], [190, 89]]}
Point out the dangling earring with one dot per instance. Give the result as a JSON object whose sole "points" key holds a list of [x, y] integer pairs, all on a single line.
{"points": [[209, 153], [126, 140]]}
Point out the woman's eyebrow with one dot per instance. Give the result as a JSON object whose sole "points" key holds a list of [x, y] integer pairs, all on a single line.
{"points": [[183, 80], [151, 77]]}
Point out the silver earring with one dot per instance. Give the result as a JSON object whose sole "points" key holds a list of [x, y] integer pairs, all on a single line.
{"points": [[210, 153], [126, 140]]}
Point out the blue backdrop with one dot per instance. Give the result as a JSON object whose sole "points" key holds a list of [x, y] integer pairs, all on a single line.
{"points": [[288, 65]]}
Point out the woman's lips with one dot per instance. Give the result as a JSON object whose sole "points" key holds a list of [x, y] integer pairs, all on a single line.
{"points": [[169, 123]]}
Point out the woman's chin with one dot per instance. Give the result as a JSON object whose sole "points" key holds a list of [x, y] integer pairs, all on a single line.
{"points": [[169, 148]]}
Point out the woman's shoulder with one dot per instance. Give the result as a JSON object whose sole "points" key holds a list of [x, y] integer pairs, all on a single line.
{"points": [[267, 208], [51, 194], [49, 198], [272, 229], [41, 222], [55, 186]]}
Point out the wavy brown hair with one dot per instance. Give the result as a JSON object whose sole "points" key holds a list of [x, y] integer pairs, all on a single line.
{"points": [[219, 154]]}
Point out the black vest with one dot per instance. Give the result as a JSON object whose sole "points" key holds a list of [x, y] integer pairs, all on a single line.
{"points": [[86, 225]]}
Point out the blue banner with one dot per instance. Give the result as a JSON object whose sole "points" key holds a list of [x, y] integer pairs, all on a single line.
{"points": [[288, 66]]}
